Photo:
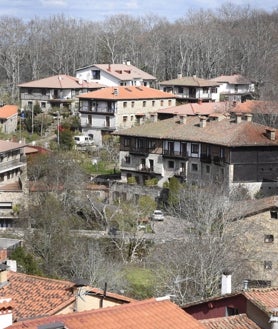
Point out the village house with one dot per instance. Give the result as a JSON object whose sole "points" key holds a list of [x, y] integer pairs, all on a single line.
{"points": [[191, 89], [124, 74], [58, 91], [234, 88], [233, 151], [105, 110], [8, 118], [13, 188], [155, 313], [257, 306]]}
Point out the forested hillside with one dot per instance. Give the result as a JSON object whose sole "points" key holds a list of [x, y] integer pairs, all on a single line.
{"points": [[229, 40]]}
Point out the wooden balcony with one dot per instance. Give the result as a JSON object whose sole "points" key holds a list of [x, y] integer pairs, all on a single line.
{"points": [[174, 154]]}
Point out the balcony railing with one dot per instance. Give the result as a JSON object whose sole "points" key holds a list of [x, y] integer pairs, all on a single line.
{"points": [[8, 165], [220, 161], [95, 110], [174, 154], [139, 150], [147, 169], [205, 158]]}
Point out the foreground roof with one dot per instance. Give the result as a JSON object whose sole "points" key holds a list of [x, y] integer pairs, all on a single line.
{"points": [[61, 81], [128, 93], [203, 108], [147, 314], [35, 296], [255, 106], [235, 79], [190, 81], [224, 132], [240, 321], [8, 111], [123, 72], [265, 298], [7, 146]]}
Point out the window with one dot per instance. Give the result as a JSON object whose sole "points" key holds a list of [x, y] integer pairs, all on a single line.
{"points": [[153, 103], [90, 120], [144, 103], [207, 169], [180, 90], [231, 311], [43, 105], [125, 104], [161, 102], [268, 238], [125, 118], [236, 88], [169, 102], [171, 164], [127, 142], [205, 90], [195, 148], [30, 105], [213, 90], [96, 74], [267, 265], [132, 104], [274, 214], [194, 167], [127, 159], [131, 118]]}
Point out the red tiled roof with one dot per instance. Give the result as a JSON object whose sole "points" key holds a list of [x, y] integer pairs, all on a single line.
{"points": [[224, 132], [232, 79], [240, 321], [189, 81], [35, 296], [251, 106], [204, 108], [147, 314], [124, 72], [266, 299], [61, 81], [123, 92], [8, 111], [7, 145]]}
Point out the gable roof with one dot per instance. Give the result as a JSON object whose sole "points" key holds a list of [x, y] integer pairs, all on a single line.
{"points": [[189, 81], [224, 132], [266, 299], [203, 108], [147, 314], [240, 321], [235, 79], [256, 106], [61, 81], [8, 111], [35, 296], [122, 72], [7, 146], [127, 93]]}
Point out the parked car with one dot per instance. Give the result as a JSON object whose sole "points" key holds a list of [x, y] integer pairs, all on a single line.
{"points": [[157, 215], [83, 140]]}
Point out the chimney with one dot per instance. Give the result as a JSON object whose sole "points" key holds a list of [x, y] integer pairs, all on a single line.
{"points": [[6, 314], [179, 75], [199, 101], [226, 283], [116, 91], [109, 67], [271, 133], [248, 117], [203, 122], [182, 119], [238, 117], [273, 320], [127, 62], [12, 264], [245, 284]]}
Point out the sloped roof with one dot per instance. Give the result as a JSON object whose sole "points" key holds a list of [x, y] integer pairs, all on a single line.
{"points": [[123, 72], [61, 81], [147, 314], [35, 296], [8, 111], [224, 132], [240, 321], [128, 93], [7, 146], [190, 82], [235, 79], [255, 106], [265, 298], [203, 108]]}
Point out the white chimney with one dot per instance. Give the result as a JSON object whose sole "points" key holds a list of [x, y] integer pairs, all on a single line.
{"points": [[273, 320], [248, 117], [12, 265], [271, 133], [245, 284], [182, 119], [238, 117], [226, 283], [203, 122]]}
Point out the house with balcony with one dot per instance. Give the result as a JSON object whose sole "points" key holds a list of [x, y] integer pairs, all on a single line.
{"points": [[230, 150], [56, 91], [191, 89], [234, 88], [124, 74], [105, 110], [13, 189]]}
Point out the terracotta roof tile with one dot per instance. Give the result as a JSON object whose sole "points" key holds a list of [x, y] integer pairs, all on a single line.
{"points": [[224, 132], [7, 145], [148, 314], [266, 299], [240, 321], [8, 111], [189, 81], [124, 72], [232, 79], [205, 108], [251, 106], [36, 296], [61, 81], [130, 92]]}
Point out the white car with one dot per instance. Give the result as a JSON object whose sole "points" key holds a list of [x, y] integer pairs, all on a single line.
{"points": [[157, 215]]}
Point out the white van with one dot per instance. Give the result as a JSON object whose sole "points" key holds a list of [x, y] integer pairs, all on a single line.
{"points": [[83, 140]]}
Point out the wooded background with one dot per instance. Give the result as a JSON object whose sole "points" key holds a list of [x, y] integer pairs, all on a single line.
{"points": [[229, 40]]}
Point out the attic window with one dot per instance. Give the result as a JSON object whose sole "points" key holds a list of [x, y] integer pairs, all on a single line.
{"points": [[231, 311], [53, 325], [268, 238], [274, 214]]}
